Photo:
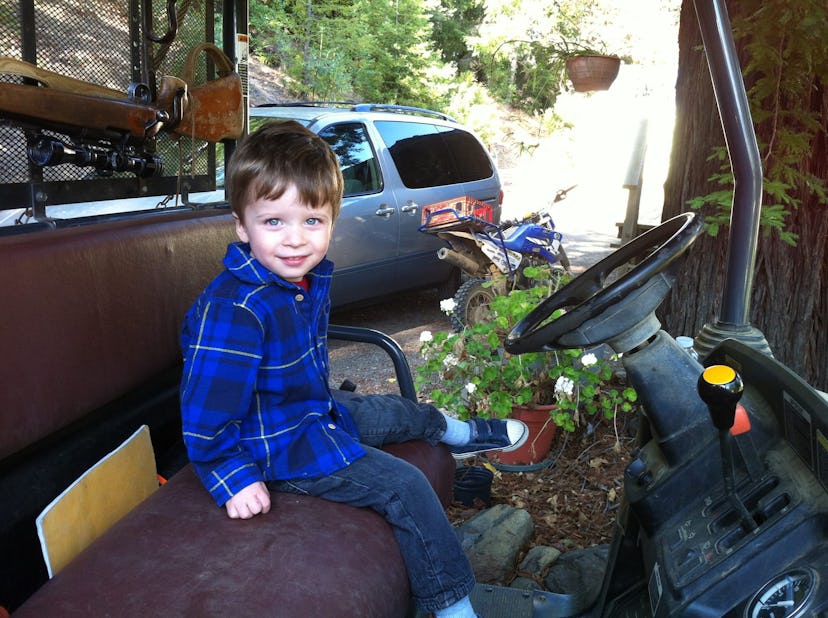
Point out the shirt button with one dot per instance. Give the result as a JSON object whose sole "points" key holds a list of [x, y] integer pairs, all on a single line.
{"points": [[300, 298], [331, 426]]}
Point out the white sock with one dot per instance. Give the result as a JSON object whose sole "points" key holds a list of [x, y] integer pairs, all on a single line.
{"points": [[457, 433], [462, 609]]}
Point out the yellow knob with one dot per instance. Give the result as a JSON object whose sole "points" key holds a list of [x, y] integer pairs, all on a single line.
{"points": [[719, 374]]}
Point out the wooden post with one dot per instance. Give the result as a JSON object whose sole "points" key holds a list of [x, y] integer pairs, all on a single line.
{"points": [[633, 182]]}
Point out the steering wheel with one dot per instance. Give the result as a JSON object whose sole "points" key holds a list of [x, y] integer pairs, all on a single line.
{"points": [[620, 313]]}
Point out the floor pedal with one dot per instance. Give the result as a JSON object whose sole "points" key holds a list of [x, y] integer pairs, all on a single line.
{"points": [[500, 602]]}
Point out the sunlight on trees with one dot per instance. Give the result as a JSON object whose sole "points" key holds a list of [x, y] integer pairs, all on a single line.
{"points": [[484, 60]]}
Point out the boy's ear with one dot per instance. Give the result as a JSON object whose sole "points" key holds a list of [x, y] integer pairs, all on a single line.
{"points": [[241, 232]]}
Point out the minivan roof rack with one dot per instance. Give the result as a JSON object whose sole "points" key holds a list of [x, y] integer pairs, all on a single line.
{"points": [[364, 107], [402, 109], [309, 104]]}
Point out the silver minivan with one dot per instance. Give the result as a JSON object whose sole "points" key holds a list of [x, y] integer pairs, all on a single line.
{"points": [[395, 160]]}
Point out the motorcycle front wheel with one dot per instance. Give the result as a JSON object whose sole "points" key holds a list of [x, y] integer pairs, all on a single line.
{"points": [[472, 302]]}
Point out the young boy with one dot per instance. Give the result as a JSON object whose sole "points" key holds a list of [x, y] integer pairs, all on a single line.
{"points": [[258, 414]]}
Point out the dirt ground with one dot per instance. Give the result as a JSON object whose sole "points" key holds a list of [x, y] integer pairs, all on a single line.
{"points": [[574, 502]]}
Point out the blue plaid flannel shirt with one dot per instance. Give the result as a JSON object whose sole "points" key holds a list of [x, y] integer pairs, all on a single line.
{"points": [[255, 400]]}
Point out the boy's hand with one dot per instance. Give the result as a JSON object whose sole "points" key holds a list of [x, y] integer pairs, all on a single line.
{"points": [[250, 501]]}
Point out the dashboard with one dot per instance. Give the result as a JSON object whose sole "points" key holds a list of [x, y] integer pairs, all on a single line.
{"points": [[730, 523]]}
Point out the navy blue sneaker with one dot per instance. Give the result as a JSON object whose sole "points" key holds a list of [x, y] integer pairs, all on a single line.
{"points": [[492, 435]]}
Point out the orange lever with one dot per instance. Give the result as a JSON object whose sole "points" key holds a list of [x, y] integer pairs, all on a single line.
{"points": [[741, 421]]}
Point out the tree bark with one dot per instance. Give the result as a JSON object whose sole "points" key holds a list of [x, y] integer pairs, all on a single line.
{"points": [[789, 303]]}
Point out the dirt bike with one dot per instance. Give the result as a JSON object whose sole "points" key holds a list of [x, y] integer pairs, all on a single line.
{"points": [[492, 256]]}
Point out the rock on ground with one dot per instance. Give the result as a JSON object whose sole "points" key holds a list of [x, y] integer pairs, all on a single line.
{"points": [[580, 572], [494, 538]]}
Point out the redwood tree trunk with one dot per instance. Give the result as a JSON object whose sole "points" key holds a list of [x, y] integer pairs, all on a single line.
{"points": [[790, 290]]}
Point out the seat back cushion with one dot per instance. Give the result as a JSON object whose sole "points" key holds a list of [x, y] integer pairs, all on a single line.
{"points": [[91, 312]]}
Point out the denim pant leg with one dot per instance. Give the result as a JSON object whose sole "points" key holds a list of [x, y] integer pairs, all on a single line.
{"points": [[438, 569], [388, 419]]}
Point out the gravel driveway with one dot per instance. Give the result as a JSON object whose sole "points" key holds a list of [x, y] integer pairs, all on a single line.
{"points": [[403, 318]]}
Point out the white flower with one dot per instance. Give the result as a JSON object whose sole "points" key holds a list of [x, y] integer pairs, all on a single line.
{"points": [[564, 387], [588, 359], [471, 387], [450, 360], [447, 305], [425, 336]]}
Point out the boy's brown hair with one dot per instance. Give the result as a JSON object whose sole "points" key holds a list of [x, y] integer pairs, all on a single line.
{"points": [[280, 154]]}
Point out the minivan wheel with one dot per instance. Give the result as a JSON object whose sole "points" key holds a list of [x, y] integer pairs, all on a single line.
{"points": [[472, 303]]}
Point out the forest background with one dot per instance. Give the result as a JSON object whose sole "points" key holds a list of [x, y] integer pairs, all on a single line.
{"points": [[467, 58], [498, 66]]}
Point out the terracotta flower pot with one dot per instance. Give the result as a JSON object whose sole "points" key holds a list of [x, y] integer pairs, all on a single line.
{"points": [[541, 432], [590, 72]]}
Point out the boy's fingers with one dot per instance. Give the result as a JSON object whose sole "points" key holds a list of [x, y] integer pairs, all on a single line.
{"points": [[253, 500]]}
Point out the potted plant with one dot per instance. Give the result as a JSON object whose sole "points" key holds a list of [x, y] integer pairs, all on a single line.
{"points": [[589, 72], [469, 373], [589, 67]]}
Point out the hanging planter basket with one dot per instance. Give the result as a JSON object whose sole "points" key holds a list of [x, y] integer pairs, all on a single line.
{"points": [[592, 72]]}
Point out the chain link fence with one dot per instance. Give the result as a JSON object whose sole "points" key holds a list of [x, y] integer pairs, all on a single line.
{"points": [[107, 43]]}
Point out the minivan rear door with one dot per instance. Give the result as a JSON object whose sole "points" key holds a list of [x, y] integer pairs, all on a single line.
{"points": [[435, 162]]}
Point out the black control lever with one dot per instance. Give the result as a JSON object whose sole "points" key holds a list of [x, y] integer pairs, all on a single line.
{"points": [[720, 387]]}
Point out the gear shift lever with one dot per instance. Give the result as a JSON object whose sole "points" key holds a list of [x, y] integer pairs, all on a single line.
{"points": [[720, 387]]}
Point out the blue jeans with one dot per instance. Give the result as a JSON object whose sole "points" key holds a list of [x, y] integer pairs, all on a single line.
{"points": [[438, 570]]}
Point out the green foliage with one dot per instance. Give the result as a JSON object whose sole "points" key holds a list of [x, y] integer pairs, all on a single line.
{"points": [[786, 60], [471, 104], [343, 49], [410, 51], [473, 375], [451, 23]]}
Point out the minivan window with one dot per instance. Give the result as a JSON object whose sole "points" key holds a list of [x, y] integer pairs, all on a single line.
{"points": [[349, 140], [429, 155]]}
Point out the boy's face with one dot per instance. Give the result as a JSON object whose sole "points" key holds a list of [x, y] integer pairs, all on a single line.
{"points": [[286, 236]]}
